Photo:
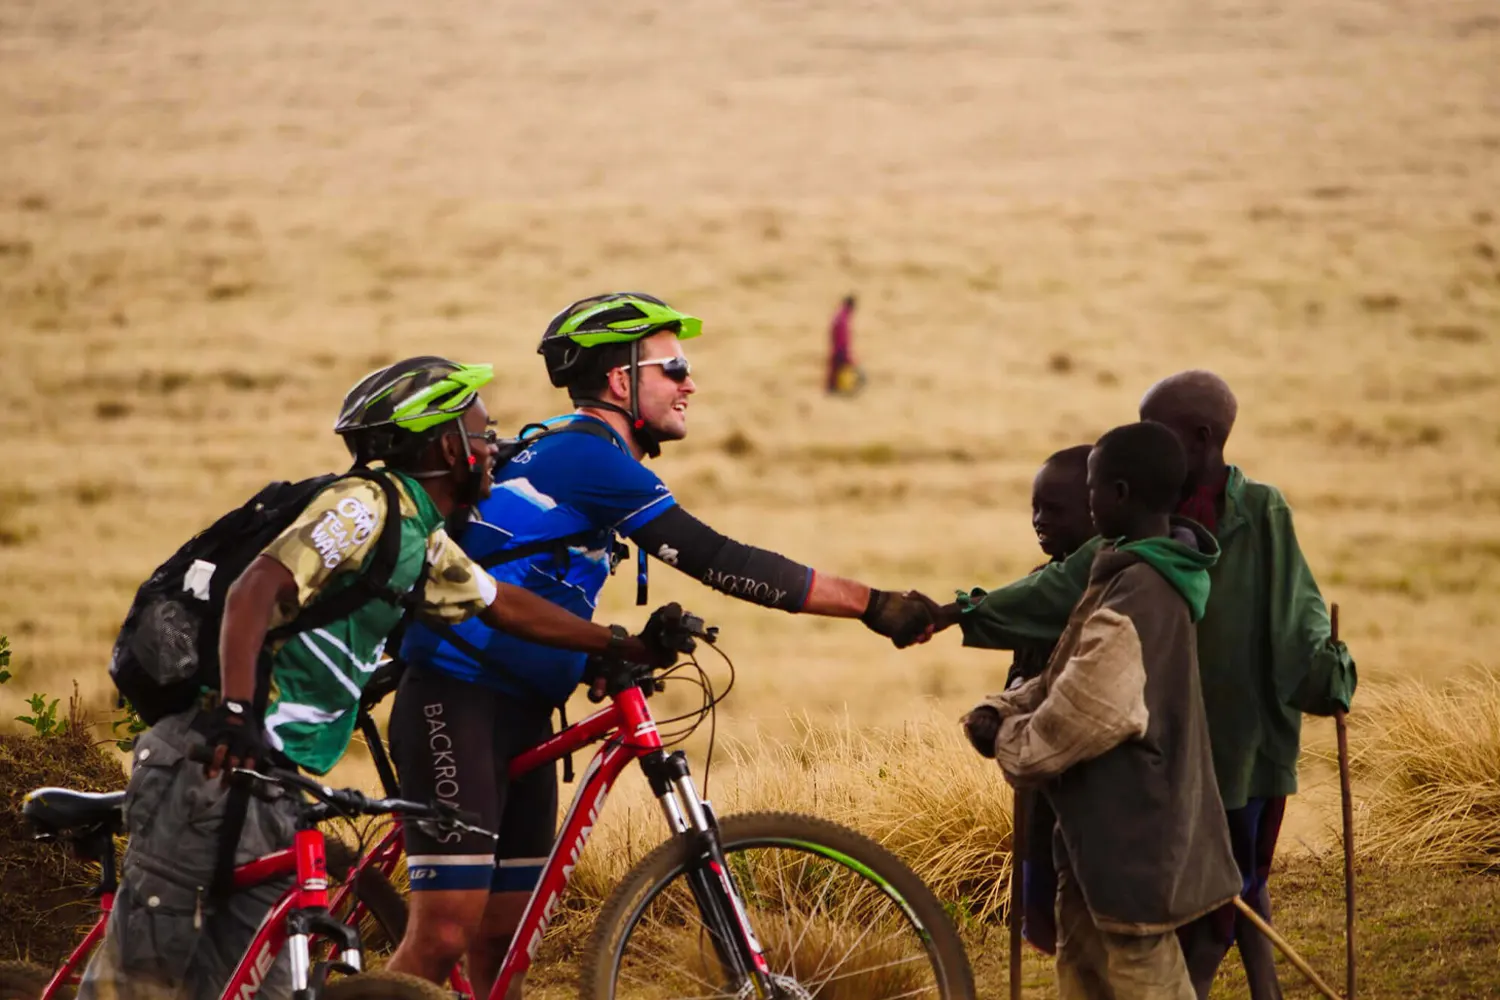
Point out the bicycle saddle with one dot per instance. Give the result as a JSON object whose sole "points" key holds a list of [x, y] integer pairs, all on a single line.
{"points": [[56, 811]]}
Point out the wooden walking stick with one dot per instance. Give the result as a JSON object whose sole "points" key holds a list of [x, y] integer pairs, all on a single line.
{"points": [[1018, 820], [1285, 948], [1341, 726]]}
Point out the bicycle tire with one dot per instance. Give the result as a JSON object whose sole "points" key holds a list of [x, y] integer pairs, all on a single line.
{"points": [[383, 984], [26, 981], [386, 907], [789, 831]]}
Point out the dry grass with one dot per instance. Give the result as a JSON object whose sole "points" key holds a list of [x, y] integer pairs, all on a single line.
{"points": [[1429, 758], [920, 791], [214, 221]]}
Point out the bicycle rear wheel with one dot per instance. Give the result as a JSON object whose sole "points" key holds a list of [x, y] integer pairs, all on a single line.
{"points": [[838, 918], [385, 907]]}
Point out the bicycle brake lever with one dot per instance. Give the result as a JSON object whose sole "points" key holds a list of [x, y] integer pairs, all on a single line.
{"points": [[695, 626], [476, 830]]}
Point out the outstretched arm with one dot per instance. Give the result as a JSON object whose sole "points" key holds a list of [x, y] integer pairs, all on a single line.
{"points": [[1034, 608], [774, 581]]}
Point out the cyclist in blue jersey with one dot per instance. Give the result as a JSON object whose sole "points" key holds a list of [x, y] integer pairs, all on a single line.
{"points": [[473, 697]]}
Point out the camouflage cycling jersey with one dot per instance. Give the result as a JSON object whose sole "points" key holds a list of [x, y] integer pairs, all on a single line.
{"points": [[317, 675]]}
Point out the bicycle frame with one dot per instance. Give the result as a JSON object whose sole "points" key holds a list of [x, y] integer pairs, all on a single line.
{"points": [[291, 923], [629, 734], [297, 915], [69, 973], [638, 739]]}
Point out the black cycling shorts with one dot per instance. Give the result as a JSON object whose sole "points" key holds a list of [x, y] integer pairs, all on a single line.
{"points": [[453, 740]]}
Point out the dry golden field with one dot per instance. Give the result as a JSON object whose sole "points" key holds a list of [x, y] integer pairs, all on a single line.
{"points": [[215, 217]]}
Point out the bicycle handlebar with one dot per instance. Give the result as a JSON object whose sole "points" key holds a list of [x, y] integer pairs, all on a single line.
{"points": [[351, 801], [622, 674]]}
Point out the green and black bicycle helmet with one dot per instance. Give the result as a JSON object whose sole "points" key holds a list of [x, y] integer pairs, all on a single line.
{"points": [[392, 413], [600, 320], [616, 318]]}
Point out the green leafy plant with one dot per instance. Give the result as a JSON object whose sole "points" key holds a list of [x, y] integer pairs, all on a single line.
{"points": [[131, 723], [43, 718]]}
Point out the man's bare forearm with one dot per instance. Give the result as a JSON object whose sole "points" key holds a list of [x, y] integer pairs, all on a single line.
{"points": [[836, 597], [247, 617]]}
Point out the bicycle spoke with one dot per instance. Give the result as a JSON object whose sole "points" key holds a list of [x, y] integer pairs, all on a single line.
{"points": [[820, 983], [786, 913], [715, 995], [843, 958]]}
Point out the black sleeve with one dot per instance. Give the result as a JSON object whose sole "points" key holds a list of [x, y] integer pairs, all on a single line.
{"points": [[679, 539]]}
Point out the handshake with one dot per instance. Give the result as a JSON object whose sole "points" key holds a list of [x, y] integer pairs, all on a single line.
{"points": [[907, 618]]}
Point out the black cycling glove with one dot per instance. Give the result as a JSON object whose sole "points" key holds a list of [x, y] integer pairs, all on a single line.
{"points": [[664, 632], [901, 618], [233, 725]]}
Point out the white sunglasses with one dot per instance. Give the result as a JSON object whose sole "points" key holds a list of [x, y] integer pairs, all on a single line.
{"points": [[675, 368]]}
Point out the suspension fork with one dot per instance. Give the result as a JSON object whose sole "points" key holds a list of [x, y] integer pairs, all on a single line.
{"points": [[718, 898]]}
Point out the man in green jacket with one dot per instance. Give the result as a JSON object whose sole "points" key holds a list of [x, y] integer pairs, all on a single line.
{"points": [[1264, 649]]}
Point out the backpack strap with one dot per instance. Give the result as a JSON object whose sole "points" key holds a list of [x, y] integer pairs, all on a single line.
{"points": [[374, 580], [576, 425]]}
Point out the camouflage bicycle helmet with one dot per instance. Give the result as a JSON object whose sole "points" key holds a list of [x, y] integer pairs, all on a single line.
{"points": [[615, 318], [389, 413]]}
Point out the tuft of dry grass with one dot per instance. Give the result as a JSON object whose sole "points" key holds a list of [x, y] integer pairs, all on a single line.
{"points": [[1431, 773]]}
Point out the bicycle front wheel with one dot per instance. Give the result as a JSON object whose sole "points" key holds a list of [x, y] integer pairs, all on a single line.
{"points": [[838, 918]]}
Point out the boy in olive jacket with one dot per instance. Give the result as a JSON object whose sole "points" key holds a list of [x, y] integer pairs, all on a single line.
{"points": [[1062, 522], [1114, 733]]}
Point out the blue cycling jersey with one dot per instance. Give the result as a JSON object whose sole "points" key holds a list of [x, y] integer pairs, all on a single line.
{"points": [[567, 485]]}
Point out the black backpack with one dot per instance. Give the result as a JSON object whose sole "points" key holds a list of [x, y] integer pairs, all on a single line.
{"points": [[167, 652]]}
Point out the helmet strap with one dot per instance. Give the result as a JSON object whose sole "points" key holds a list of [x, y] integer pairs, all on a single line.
{"points": [[644, 436], [467, 488], [468, 472]]}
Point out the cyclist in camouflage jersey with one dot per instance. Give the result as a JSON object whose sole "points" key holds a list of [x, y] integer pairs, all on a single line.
{"points": [[422, 418]]}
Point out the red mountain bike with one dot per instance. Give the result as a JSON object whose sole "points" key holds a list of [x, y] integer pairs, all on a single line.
{"points": [[771, 906], [298, 920]]}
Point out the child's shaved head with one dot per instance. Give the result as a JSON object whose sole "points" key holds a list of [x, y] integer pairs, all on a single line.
{"points": [[1148, 460]]}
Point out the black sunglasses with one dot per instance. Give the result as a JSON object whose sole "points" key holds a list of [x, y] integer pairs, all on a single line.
{"points": [[675, 368], [490, 436]]}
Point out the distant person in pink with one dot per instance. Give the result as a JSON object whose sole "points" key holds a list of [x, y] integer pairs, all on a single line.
{"points": [[838, 346]]}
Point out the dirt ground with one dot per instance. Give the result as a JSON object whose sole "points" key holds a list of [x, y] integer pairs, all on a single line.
{"points": [[214, 218]]}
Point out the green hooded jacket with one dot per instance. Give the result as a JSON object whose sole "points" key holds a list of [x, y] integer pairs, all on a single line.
{"points": [[1181, 565], [1265, 653]]}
